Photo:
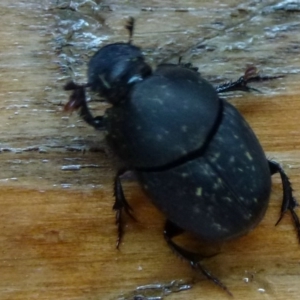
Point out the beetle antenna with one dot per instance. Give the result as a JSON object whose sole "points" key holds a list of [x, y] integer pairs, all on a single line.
{"points": [[130, 27]]}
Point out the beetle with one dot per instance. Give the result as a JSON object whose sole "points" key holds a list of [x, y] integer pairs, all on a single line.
{"points": [[192, 151]]}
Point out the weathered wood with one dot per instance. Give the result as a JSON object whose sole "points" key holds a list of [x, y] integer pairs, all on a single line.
{"points": [[57, 238]]}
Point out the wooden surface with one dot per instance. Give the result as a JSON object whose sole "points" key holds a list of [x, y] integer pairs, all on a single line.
{"points": [[57, 238]]}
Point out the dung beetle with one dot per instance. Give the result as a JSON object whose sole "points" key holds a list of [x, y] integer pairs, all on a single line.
{"points": [[191, 150]]}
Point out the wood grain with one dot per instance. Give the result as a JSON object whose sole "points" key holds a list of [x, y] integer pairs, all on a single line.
{"points": [[57, 238]]}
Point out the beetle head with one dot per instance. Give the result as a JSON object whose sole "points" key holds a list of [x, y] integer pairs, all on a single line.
{"points": [[115, 68]]}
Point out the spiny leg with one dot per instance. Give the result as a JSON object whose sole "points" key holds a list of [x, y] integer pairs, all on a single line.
{"points": [[171, 231], [288, 202], [120, 204], [77, 101], [241, 84]]}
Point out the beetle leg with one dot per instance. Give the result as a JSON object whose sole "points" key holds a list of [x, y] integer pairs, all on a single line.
{"points": [[241, 84], [120, 205], [171, 230], [288, 202], [77, 101]]}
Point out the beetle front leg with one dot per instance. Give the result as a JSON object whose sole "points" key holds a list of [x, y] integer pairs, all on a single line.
{"points": [[241, 84], [288, 202], [120, 205], [77, 101], [171, 231]]}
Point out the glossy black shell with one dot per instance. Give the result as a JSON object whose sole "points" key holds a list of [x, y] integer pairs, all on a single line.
{"points": [[163, 120], [222, 193], [194, 154]]}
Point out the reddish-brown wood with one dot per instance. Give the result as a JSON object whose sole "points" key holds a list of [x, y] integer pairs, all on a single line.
{"points": [[57, 238]]}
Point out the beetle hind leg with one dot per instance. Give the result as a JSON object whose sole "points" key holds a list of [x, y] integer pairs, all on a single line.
{"points": [[171, 231], [288, 202], [120, 205]]}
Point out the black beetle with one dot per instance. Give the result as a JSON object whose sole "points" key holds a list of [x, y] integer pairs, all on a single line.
{"points": [[192, 151]]}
